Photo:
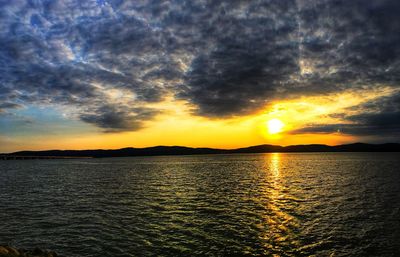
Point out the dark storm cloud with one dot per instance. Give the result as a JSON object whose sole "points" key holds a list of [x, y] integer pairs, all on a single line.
{"points": [[227, 58], [8, 105], [253, 54], [112, 119], [5, 106], [357, 38], [348, 44], [379, 117]]}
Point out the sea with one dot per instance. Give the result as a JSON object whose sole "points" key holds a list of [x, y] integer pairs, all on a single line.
{"points": [[274, 204]]}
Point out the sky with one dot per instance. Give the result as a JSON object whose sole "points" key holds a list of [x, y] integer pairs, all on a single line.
{"points": [[91, 74]]}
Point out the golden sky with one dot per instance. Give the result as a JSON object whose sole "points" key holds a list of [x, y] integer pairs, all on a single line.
{"points": [[178, 126]]}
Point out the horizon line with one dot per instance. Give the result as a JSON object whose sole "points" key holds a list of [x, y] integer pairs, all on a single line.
{"points": [[203, 147]]}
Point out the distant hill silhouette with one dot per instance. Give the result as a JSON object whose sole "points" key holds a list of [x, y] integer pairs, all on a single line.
{"points": [[180, 150]]}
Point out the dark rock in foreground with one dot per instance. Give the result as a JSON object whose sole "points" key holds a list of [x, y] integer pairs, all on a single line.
{"points": [[8, 251]]}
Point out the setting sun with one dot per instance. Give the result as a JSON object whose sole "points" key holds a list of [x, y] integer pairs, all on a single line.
{"points": [[275, 126]]}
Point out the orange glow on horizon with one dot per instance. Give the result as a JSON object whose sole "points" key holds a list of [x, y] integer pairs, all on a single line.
{"points": [[178, 126]]}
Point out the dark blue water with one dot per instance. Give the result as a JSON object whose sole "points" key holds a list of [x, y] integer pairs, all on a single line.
{"points": [[325, 204]]}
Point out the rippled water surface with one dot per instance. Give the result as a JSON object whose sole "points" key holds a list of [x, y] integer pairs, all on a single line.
{"points": [[325, 204]]}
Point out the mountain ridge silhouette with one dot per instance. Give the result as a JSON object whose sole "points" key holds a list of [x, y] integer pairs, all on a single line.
{"points": [[182, 150]]}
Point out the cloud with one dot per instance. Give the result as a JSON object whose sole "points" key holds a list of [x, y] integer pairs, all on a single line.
{"points": [[4, 106], [226, 58], [307, 48], [113, 119], [57, 57], [381, 116], [8, 105], [378, 117]]}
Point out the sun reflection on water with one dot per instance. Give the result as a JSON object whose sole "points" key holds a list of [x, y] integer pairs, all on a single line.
{"points": [[280, 235], [274, 165]]}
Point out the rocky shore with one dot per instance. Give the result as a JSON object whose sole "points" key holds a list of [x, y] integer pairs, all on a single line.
{"points": [[8, 251]]}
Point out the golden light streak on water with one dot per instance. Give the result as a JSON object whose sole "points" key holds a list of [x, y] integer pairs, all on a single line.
{"points": [[281, 233]]}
